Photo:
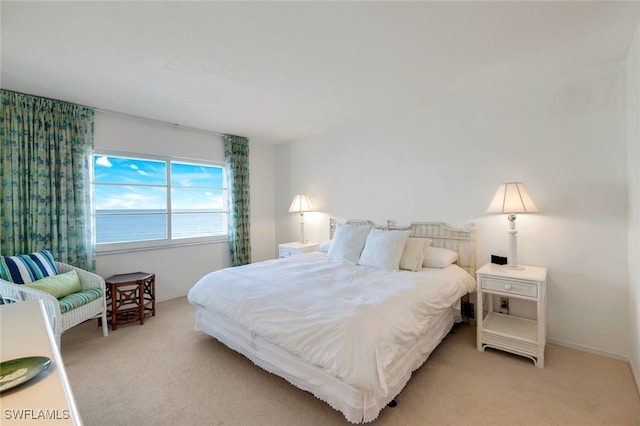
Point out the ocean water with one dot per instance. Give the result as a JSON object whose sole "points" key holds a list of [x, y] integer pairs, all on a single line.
{"points": [[116, 226]]}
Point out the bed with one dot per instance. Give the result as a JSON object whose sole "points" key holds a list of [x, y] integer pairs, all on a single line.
{"points": [[351, 333]]}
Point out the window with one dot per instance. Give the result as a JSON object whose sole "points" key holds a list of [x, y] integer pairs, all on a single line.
{"points": [[143, 202]]}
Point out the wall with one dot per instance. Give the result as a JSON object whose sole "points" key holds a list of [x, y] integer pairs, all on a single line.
{"points": [[564, 136], [177, 269], [633, 134]]}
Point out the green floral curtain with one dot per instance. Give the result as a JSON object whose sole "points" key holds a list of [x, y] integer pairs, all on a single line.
{"points": [[45, 166], [236, 154]]}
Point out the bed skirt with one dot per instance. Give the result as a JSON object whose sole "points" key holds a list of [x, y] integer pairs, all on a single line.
{"points": [[357, 405]]}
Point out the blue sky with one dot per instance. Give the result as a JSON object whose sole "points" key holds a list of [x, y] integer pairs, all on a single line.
{"points": [[130, 183]]}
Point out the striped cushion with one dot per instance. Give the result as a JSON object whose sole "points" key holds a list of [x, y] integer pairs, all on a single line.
{"points": [[80, 298], [27, 268]]}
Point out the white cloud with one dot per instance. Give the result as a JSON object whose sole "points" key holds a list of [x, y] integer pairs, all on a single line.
{"points": [[137, 169], [103, 161]]}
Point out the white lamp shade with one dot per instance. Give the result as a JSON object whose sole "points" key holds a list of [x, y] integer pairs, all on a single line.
{"points": [[301, 203], [512, 197]]}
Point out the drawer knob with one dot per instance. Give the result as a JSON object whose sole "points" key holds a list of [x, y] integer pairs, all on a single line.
{"points": [[507, 287]]}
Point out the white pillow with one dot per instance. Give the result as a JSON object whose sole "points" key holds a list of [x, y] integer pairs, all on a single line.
{"points": [[438, 257], [413, 254], [383, 249], [347, 243], [324, 247]]}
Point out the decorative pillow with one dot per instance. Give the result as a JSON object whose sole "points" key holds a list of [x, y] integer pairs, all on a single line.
{"points": [[58, 285], [347, 244], [413, 254], [27, 268], [79, 298], [383, 249], [438, 257], [324, 247]]}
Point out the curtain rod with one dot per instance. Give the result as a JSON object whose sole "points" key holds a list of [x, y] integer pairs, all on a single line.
{"points": [[124, 114]]}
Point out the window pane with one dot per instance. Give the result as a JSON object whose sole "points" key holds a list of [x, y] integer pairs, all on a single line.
{"points": [[118, 228], [185, 199], [125, 197], [187, 225], [109, 169], [196, 175], [131, 200]]}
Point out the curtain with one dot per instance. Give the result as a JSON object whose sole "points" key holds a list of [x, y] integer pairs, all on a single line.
{"points": [[45, 166], [236, 154]]}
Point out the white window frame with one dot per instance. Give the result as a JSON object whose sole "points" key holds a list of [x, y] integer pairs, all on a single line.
{"points": [[168, 242]]}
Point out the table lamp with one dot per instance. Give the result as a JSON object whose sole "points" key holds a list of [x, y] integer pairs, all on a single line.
{"points": [[301, 204], [512, 198]]}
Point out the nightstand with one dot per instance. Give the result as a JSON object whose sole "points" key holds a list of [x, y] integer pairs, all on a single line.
{"points": [[291, 249], [518, 335]]}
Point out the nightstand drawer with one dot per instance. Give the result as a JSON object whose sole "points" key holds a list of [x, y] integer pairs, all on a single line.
{"points": [[293, 249], [511, 287], [287, 252]]}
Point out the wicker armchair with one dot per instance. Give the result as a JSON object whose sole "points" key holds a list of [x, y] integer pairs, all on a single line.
{"points": [[61, 322]]}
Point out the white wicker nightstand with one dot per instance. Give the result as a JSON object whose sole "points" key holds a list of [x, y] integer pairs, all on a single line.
{"points": [[292, 249], [522, 336]]}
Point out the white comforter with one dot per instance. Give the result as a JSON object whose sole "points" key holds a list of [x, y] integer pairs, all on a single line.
{"points": [[352, 321]]}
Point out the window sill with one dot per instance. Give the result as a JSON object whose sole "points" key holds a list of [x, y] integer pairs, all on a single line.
{"points": [[109, 251]]}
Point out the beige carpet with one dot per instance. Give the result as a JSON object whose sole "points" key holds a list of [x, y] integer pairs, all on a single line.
{"points": [[165, 373]]}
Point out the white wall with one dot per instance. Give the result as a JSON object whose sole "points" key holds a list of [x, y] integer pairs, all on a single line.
{"points": [[177, 269], [633, 133], [262, 176], [564, 136]]}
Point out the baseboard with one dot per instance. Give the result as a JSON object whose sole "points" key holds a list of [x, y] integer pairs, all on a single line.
{"points": [[173, 296], [588, 349]]}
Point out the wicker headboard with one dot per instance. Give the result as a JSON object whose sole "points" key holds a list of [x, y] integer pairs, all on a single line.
{"points": [[460, 240]]}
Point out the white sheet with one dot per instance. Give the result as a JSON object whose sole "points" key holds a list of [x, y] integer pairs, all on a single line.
{"points": [[353, 322]]}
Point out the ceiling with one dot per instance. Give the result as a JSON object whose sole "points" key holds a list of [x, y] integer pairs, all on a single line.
{"points": [[278, 71]]}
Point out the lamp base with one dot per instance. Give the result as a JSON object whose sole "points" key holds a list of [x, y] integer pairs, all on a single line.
{"points": [[514, 267]]}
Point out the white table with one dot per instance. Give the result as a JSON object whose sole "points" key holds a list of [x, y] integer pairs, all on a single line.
{"points": [[522, 336], [295, 248], [47, 398]]}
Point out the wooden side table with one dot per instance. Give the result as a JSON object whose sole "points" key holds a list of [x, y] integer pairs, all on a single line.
{"points": [[130, 297]]}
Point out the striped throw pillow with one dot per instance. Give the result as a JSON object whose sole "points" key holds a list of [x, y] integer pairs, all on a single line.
{"points": [[78, 299], [27, 268]]}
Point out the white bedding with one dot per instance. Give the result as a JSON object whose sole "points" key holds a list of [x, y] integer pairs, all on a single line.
{"points": [[356, 323]]}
